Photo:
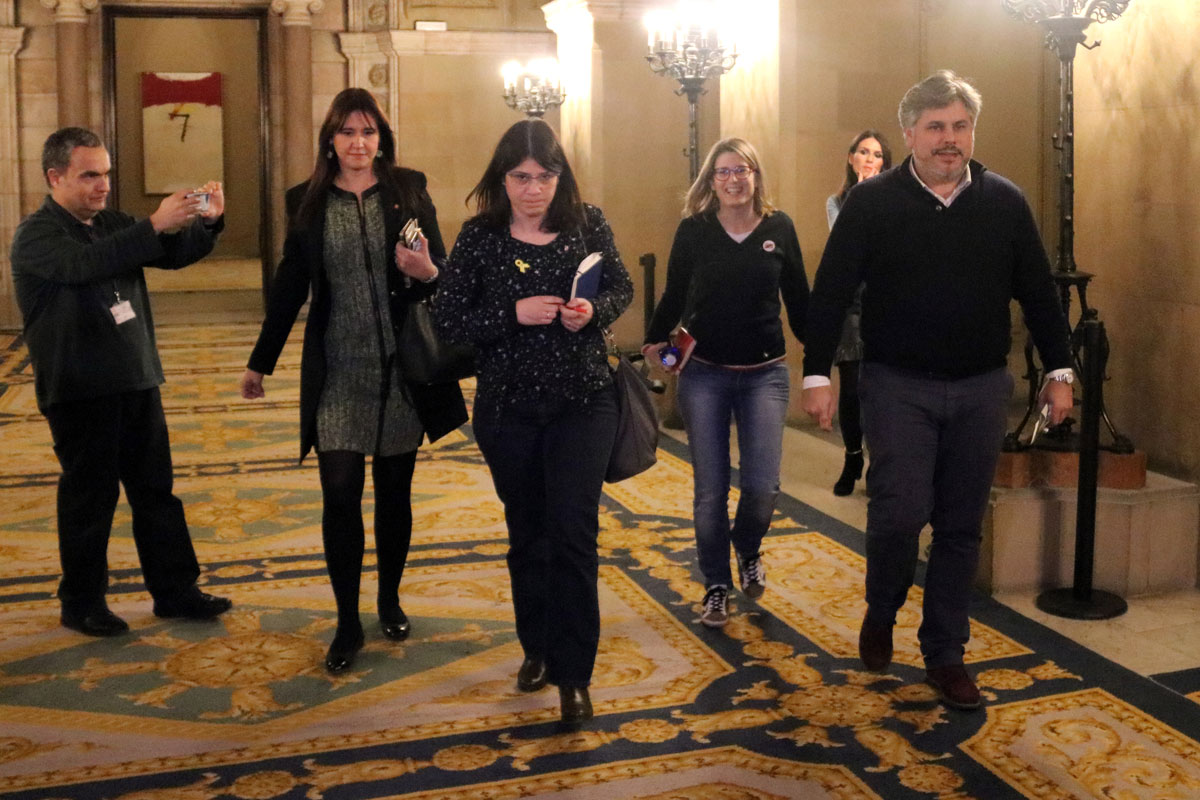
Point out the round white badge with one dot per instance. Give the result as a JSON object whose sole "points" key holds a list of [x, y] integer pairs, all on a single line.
{"points": [[769, 246]]}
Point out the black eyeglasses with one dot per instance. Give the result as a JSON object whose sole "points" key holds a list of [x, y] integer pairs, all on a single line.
{"points": [[524, 178], [725, 173]]}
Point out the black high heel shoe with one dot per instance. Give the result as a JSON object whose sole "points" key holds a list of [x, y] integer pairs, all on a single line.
{"points": [[851, 472], [394, 623], [343, 650]]}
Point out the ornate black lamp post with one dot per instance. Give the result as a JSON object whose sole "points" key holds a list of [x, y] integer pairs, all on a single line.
{"points": [[1065, 22]]}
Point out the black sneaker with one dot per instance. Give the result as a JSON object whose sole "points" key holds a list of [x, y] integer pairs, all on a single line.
{"points": [[752, 575], [716, 607]]}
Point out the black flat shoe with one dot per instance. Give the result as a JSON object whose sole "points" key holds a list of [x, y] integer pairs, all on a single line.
{"points": [[532, 675], [95, 622], [576, 707], [192, 604], [342, 652], [394, 623]]}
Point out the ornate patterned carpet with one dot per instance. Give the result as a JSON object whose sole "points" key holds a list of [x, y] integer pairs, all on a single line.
{"points": [[774, 706]]}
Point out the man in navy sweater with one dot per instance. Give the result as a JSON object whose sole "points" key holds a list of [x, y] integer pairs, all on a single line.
{"points": [[942, 246]]}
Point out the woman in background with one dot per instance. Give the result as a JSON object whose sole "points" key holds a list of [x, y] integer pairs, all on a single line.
{"points": [[869, 155], [343, 243], [734, 255], [545, 410]]}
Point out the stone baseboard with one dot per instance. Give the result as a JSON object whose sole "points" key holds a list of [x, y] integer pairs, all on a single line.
{"points": [[1146, 539]]}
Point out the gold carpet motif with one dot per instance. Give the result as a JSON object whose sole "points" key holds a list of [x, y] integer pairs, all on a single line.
{"points": [[773, 706]]}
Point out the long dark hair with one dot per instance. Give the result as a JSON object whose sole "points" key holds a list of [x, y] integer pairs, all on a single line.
{"points": [[327, 167], [529, 138], [851, 175]]}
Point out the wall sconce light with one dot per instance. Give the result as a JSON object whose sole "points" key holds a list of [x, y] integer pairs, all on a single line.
{"points": [[533, 88]]}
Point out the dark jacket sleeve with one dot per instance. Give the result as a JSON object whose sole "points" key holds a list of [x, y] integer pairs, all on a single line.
{"points": [[616, 287], [1033, 288], [837, 279], [679, 279], [43, 249], [189, 245], [465, 313], [793, 283], [287, 295]]}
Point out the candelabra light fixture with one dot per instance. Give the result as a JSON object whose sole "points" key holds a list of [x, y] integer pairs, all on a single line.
{"points": [[690, 45], [533, 88]]}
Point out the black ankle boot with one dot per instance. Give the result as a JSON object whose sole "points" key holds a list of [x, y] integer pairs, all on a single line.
{"points": [[851, 472]]}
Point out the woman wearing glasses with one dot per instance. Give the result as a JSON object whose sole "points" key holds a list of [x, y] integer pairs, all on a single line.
{"points": [[343, 242], [734, 255], [545, 410], [869, 155]]}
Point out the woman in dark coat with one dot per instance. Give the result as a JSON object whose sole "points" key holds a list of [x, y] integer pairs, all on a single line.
{"points": [[343, 243]]}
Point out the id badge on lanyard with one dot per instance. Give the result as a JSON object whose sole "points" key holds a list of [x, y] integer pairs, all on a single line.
{"points": [[122, 310]]}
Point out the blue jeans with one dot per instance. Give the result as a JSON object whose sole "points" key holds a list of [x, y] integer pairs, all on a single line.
{"points": [[934, 445], [757, 400]]}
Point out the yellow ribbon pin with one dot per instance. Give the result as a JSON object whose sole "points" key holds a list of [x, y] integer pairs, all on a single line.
{"points": [[521, 265]]}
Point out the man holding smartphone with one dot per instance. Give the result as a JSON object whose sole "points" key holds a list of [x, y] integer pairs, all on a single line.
{"points": [[77, 267]]}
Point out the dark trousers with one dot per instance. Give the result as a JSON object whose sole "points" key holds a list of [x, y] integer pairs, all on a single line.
{"points": [[103, 443], [934, 445], [548, 467], [343, 474]]}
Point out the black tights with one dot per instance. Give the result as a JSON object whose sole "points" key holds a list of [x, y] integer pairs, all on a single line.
{"points": [[849, 416], [342, 476]]}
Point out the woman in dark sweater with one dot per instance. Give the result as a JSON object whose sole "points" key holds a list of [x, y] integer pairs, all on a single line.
{"points": [[868, 156], [343, 242], [545, 412], [734, 255]]}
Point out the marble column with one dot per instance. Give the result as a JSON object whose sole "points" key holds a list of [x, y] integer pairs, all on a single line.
{"points": [[11, 41], [580, 114], [70, 31], [297, 93]]}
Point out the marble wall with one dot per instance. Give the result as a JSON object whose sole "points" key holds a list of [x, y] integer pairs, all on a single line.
{"points": [[818, 72]]}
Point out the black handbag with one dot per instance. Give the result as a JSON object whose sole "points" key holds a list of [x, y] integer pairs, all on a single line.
{"points": [[636, 447], [425, 357]]}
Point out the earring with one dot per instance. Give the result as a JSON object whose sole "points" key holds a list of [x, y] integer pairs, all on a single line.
{"points": [[329, 153], [379, 154]]}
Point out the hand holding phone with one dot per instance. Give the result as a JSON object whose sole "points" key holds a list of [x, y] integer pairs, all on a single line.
{"points": [[410, 234]]}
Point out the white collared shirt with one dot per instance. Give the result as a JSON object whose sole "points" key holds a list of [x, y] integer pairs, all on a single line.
{"points": [[963, 183]]}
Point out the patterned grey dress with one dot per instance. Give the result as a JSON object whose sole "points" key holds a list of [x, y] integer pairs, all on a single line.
{"points": [[364, 406]]}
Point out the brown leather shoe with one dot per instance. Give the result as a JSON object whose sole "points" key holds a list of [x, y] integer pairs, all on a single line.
{"points": [[576, 707], [875, 646], [532, 675], [954, 686]]}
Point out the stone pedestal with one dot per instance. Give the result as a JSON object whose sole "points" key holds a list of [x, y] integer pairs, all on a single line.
{"points": [[1146, 539], [1053, 469]]}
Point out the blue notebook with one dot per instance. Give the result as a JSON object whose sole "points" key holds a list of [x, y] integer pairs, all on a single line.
{"points": [[587, 277]]}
